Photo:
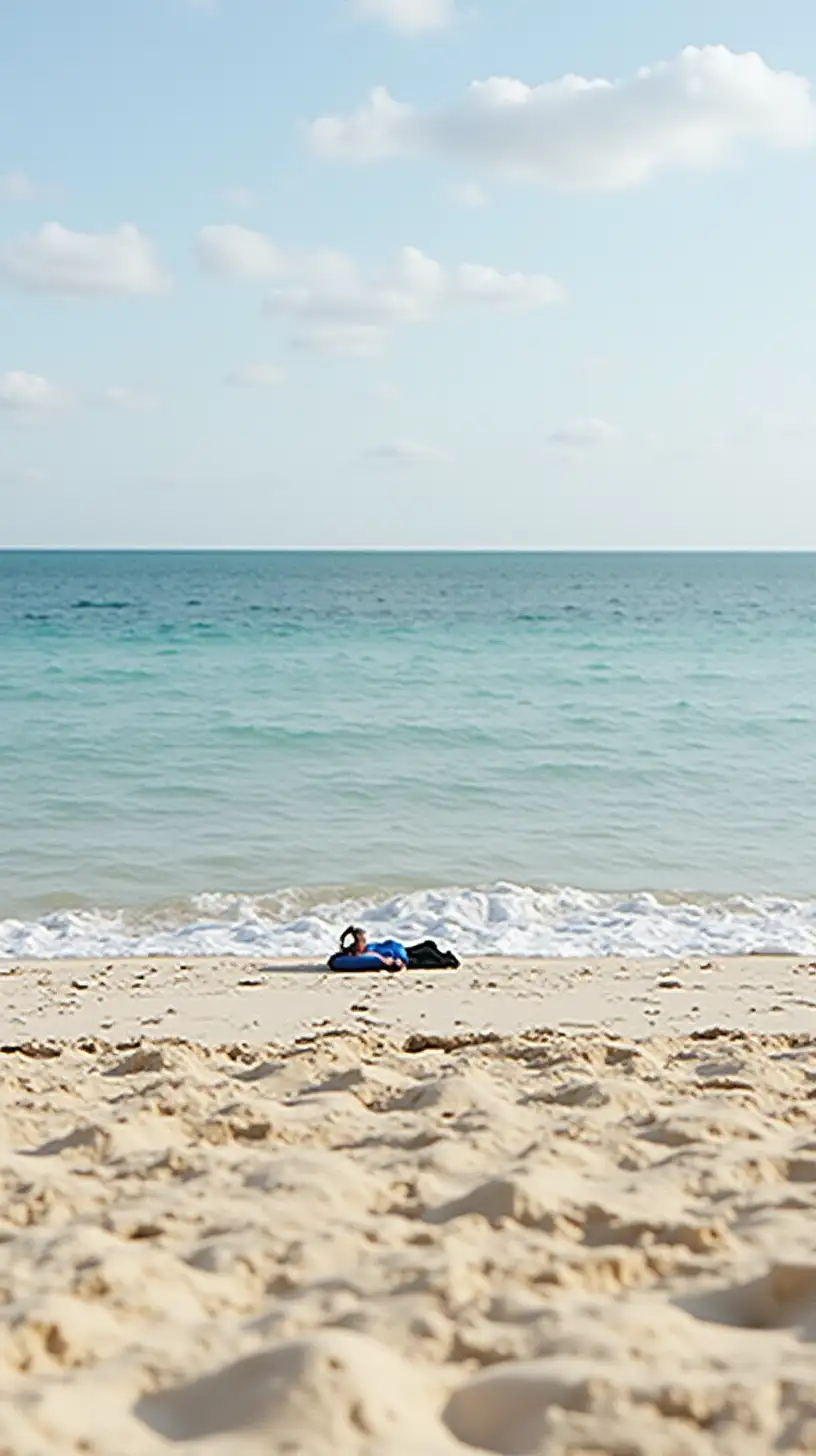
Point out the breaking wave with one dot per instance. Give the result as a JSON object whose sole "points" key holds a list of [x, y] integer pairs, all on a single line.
{"points": [[504, 919]]}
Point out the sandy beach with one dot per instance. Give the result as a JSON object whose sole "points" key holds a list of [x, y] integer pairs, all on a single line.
{"points": [[527, 1208], [211, 999]]}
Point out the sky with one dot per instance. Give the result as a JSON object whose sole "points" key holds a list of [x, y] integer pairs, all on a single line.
{"points": [[484, 274]]}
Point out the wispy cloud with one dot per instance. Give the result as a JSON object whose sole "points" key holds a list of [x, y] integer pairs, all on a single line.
{"points": [[411, 17], [582, 435], [27, 396], [232, 251], [242, 198], [408, 454], [468, 194], [256, 376], [124, 397], [18, 187]]}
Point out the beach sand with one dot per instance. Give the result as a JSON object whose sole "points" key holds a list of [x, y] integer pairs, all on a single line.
{"points": [[550, 1209]]}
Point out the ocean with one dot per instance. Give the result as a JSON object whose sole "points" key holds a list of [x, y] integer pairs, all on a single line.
{"points": [[530, 754]]}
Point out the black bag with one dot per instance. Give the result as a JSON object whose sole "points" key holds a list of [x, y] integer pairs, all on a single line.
{"points": [[428, 957]]}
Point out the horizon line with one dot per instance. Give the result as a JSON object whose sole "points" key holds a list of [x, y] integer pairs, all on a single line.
{"points": [[408, 550]]}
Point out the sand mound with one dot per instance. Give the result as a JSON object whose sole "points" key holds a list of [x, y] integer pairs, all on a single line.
{"points": [[542, 1245], [784, 1296], [327, 1393]]}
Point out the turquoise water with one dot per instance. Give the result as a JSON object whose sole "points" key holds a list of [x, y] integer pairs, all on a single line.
{"points": [[219, 750]]}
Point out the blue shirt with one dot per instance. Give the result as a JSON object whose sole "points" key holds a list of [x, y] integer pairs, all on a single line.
{"points": [[390, 948]]}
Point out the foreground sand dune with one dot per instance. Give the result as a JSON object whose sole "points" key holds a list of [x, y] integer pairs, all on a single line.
{"points": [[353, 1243]]}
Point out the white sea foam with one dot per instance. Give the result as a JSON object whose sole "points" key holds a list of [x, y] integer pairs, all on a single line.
{"points": [[505, 919]]}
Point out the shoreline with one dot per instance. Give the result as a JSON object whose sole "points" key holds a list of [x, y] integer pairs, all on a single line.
{"points": [[504, 919], [210, 999]]}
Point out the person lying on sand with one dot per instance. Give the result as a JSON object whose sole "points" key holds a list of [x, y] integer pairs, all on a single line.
{"points": [[391, 955]]}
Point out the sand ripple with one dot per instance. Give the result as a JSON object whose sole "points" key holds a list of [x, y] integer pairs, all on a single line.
{"points": [[543, 1245]]}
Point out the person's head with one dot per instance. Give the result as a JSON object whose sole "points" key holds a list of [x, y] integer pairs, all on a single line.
{"points": [[353, 940]]}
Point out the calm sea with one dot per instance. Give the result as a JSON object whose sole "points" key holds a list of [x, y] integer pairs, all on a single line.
{"points": [[526, 753]]}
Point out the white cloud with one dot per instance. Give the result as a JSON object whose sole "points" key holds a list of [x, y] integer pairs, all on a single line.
{"points": [[56, 260], [380, 128], [580, 435], [256, 376], [237, 252], [241, 197], [407, 453], [468, 194], [27, 395], [336, 308], [412, 17], [473, 283], [349, 341], [17, 187], [694, 112], [329, 293], [122, 396], [31, 395]]}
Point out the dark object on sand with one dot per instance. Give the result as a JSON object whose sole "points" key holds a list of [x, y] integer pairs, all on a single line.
{"points": [[428, 957]]}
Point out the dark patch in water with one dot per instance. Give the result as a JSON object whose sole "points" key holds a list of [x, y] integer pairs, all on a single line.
{"points": [[84, 605]]}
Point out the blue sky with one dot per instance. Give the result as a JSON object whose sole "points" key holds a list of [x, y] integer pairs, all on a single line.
{"points": [[243, 306]]}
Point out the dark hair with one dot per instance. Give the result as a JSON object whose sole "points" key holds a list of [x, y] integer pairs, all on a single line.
{"points": [[349, 936]]}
